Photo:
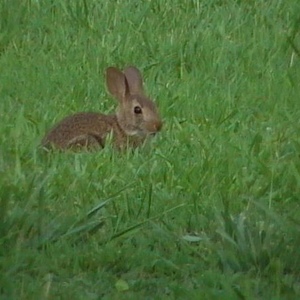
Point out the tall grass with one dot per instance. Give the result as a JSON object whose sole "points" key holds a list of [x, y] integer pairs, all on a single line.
{"points": [[209, 209]]}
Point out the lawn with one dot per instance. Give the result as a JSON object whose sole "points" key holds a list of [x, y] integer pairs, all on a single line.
{"points": [[209, 209]]}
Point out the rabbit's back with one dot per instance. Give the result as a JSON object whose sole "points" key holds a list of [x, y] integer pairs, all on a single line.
{"points": [[79, 129]]}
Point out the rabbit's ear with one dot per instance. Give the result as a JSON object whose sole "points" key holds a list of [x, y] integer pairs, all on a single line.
{"points": [[134, 80], [116, 83]]}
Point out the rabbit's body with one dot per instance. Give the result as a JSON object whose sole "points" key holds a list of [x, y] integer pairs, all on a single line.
{"points": [[135, 120], [89, 130], [81, 129]]}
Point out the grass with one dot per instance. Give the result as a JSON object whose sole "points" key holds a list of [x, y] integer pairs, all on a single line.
{"points": [[210, 209]]}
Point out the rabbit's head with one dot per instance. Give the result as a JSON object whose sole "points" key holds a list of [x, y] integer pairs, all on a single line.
{"points": [[137, 115]]}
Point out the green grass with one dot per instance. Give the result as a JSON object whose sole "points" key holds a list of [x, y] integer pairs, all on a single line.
{"points": [[210, 209]]}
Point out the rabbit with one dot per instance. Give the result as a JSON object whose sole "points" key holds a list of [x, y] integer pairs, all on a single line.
{"points": [[136, 118]]}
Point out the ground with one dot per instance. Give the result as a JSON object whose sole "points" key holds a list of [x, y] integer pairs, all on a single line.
{"points": [[209, 209]]}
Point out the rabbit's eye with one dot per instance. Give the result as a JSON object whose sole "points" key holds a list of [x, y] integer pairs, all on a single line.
{"points": [[137, 110]]}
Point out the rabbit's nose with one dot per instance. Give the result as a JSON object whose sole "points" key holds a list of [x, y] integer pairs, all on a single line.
{"points": [[153, 127], [158, 126]]}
